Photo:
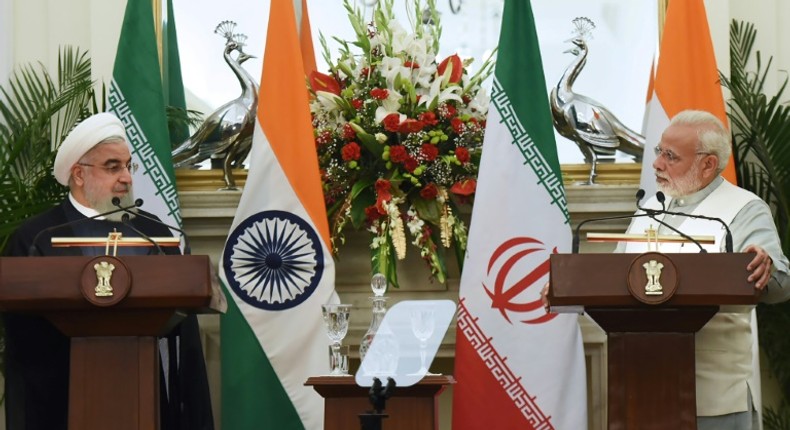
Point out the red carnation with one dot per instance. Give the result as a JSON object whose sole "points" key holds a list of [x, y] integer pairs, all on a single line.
{"points": [[322, 82], [429, 192], [410, 164], [429, 152], [410, 126], [383, 185], [379, 93], [458, 125], [357, 103], [350, 151], [429, 118], [348, 132], [398, 154], [391, 122], [462, 154], [383, 194]]}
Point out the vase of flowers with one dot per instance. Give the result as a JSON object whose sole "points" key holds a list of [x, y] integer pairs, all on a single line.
{"points": [[399, 136]]}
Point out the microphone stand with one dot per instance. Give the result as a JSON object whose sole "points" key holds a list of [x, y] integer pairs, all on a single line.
{"points": [[139, 202], [652, 214], [125, 221]]}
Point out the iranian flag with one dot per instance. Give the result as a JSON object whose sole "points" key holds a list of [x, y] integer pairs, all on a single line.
{"points": [[686, 77], [136, 97], [516, 366], [276, 268]]}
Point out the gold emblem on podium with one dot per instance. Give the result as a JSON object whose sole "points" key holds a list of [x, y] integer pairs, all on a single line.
{"points": [[103, 278], [653, 273]]}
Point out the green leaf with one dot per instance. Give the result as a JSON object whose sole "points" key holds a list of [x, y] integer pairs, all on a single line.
{"points": [[429, 210]]}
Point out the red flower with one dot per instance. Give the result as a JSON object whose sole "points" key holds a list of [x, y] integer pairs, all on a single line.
{"points": [[429, 152], [410, 164], [323, 138], [372, 213], [464, 188], [348, 132], [429, 118], [462, 154], [411, 65], [383, 185], [350, 151], [322, 82], [456, 68], [447, 111], [458, 125], [357, 103], [379, 93], [398, 154], [391, 122], [429, 192], [410, 126]]}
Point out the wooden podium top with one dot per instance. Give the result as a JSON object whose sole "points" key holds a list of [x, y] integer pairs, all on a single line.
{"points": [[346, 386]]}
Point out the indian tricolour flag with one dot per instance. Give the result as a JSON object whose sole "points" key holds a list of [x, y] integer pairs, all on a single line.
{"points": [[136, 97], [277, 269], [686, 77], [517, 367]]}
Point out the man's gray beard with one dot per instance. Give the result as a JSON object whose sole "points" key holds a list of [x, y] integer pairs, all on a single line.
{"points": [[107, 206], [685, 186]]}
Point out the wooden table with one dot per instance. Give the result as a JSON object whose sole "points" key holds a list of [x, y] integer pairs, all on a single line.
{"points": [[413, 408]]}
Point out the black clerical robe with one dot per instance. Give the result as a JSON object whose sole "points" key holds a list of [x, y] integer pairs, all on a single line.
{"points": [[37, 354]]}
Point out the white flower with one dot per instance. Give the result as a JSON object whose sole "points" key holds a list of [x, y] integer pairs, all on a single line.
{"points": [[435, 91], [380, 137]]}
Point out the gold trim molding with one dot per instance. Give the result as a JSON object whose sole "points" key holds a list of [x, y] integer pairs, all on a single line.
{"points": [[608, 174]]}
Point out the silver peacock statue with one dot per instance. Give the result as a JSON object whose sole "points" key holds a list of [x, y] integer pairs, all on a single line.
{"points": [[226, 134], [597, 132]]}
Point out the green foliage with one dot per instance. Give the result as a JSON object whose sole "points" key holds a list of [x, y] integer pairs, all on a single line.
{"points": [[35, 111], [761, 132]]}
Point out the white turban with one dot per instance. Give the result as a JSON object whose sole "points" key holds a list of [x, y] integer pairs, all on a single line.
{"points": [[82, 139]]}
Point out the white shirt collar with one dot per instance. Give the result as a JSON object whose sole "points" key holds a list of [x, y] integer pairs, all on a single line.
{"points": [[88, 212]]}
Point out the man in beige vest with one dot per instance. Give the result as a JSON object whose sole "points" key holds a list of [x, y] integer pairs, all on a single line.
{"points": [[692, 153]]}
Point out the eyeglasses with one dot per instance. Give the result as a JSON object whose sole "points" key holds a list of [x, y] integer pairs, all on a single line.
{"points": [[670, 156], [115, 168]]}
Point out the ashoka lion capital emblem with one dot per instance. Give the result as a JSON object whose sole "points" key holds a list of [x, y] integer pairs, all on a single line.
{"points": [[516, 272]]}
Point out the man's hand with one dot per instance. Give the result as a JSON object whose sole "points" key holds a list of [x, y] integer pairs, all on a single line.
{"points": [[759, 267], [544, 297]]}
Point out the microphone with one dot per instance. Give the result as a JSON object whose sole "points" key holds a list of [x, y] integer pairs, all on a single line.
{"points": [[125, 220], [139, 202], [652, 214], [575, 241], [727, 237], [32, 249]]}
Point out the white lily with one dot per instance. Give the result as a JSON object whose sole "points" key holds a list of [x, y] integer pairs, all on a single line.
{"points": [[435, 91]]}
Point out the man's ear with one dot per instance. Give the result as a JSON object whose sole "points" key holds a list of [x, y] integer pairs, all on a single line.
{"points": [[710, 166], [78, 175]]}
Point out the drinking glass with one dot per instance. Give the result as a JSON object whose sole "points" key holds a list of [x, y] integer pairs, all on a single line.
{"points": [[422, 326], [336, 319]]}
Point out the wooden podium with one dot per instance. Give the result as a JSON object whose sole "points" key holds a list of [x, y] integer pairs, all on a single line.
{"points": [[650, 330], [114, 379], [413, 408]]}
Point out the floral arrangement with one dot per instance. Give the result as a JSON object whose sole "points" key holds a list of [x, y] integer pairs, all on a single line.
{"points": [[399, 137]]}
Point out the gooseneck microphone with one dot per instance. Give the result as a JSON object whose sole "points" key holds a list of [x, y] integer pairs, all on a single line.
{"points": [[652, 214], [728, 236], [32, 250], [125, 220], [575, 241], [139, 202]]}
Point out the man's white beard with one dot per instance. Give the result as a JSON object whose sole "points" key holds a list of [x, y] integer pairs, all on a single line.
{"points": [[102, 205], [686, 185]]}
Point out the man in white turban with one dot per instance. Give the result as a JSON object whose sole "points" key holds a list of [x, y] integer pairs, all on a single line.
{"points": [[95, 162]]}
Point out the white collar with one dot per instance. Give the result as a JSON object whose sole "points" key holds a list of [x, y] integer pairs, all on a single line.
{"points": [[88, 212]]}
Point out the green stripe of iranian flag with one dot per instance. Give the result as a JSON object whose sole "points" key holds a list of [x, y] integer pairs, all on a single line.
{"points": [[136, 97]]}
